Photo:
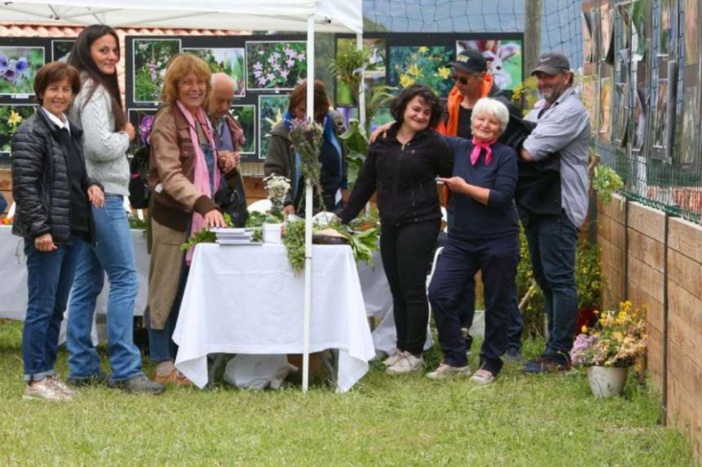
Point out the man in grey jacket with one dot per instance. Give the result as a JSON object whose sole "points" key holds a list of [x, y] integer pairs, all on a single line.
{"points": [[562, 126]]}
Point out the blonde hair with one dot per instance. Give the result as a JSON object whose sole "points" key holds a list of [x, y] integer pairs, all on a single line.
{"points": [[180, 66]]}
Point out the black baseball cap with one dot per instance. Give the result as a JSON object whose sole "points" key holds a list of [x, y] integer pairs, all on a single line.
{"points": [[552, 63], [470, 61]]}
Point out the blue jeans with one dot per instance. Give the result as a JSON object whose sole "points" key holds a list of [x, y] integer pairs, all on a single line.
{"points": [[552, 244], [113, 253], [49, 279], [497, 258]]}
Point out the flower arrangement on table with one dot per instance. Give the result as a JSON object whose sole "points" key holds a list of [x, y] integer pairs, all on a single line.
{"points": [[619, 339]]}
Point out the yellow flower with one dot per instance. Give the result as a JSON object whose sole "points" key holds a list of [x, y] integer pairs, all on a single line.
{"points": [[406, 80], [14, 118], [584, 329], [414, 71], [423, 50], [444, 72]]}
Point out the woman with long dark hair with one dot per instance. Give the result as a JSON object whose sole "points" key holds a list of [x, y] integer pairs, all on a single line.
{"points": [[99, 111]]}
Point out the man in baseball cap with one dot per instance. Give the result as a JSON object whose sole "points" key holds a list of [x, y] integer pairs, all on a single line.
{"points": [[553, 76]]}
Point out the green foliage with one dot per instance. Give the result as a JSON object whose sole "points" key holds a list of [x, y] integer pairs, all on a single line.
{"points": [[356, 143], [588, 275], [349, 64], [605, 181], [294, 241], [525, 94], [205, 235]]}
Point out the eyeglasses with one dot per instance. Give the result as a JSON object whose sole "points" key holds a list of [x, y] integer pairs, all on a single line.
{"points": [[461, 79]]}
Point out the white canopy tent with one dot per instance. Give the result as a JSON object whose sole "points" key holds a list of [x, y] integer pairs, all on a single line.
{"points": [[289, 15]]}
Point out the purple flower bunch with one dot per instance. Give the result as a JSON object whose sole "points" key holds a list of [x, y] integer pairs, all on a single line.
{"points": [[277, 64], [145, 125], [13, 69], [578, 354]]}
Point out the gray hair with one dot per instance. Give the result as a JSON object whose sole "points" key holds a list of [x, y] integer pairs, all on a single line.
{"points": [[217, 77], [494, 108]]}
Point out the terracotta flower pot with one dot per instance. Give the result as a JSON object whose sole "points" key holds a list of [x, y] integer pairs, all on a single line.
{"points": [[606, 381]]}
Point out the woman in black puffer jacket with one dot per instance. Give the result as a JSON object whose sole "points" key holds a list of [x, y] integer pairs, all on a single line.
{"points": [[52, 191], [401, 168]]}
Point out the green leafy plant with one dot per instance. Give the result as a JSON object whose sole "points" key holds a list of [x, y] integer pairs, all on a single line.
{"points": [[605, 181], [205, 235], [294, 241], [526, 94]]}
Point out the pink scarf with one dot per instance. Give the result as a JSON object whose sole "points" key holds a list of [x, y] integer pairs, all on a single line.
{"points": [[477, 146], [202, 177]]}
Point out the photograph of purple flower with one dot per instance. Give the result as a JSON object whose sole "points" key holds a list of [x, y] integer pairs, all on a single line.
{"points": [[246, 116], [142, 119], [18, 66], [273, 65], [270, 111], [225, 60], [150, 58], [60, 49]]}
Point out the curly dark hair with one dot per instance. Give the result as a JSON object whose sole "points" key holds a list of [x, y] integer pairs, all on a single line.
{"points": [[399, 103], [81, 59]]}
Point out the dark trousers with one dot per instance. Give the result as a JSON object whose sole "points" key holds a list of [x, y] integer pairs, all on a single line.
{"points": [[552, 243], [407, 251], [497, 258]]}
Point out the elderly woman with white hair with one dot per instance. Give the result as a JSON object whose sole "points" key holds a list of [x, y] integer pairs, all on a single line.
{"points": [[484, 236]]}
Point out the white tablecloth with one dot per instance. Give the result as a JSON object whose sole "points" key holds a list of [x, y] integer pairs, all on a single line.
{"points": [[246, 300], [13, 276]]}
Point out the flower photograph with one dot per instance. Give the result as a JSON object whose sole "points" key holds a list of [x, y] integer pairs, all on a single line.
{"points": [[504, 59], [225, 60], [150, 59], [142, 119], [690, 125], [421, 65], [270, 111], [274, 65], [246, 116], [18, 66], [60, 49], [373, 75], [11, 117]]}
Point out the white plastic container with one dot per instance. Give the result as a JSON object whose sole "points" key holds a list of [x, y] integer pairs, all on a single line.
{"points": [[272, 233]]}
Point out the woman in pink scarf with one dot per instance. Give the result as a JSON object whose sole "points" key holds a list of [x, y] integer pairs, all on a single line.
{"points": [[184, 175], [484, 236]]}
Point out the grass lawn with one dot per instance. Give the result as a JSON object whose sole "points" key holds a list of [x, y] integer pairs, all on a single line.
{"points": [[544, 420]]}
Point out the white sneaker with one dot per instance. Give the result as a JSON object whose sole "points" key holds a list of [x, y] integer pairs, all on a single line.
{"points": [[44, 390], [483, 376], [408, 363], [61, 386], [394, 358], [445, 371]]}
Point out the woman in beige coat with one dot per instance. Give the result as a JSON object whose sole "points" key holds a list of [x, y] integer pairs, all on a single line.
{"points": [[184, 175]]}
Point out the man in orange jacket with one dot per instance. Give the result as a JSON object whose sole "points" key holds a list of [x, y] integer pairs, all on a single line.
{"points": [[472, 82]]}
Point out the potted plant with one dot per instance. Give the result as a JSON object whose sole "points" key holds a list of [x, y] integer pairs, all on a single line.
{"points": [[615, 343]]}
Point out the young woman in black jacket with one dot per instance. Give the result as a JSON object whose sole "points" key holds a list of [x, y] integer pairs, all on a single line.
{"points": [[52, 190], [401, 168]]}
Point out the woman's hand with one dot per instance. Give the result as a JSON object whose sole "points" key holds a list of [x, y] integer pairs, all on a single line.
{"points": [[214, 218], [455, 184], [129, 129], [380, 131], [96, 196], [44, 243], [227, 160]]}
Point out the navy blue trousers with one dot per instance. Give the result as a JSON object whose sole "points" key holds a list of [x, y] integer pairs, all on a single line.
{"points": [[497, 258]]}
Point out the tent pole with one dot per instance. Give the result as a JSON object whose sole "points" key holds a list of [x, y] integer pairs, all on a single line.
{"points": [[361, 90], [307, 305]]}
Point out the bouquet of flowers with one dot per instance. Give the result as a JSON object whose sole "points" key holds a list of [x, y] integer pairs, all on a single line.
{"points": [[277, 187], [618, 339]]}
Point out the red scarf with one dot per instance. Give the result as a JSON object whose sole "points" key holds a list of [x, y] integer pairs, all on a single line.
{"points": [[477, 146]]}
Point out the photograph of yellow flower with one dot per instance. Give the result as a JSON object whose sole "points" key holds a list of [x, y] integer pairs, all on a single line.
{"points": [[422, 65], [11, 117]]}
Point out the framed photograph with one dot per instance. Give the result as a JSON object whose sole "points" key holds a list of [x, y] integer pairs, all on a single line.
{"points": [[622, 120], [11, 117], [504, 59], [150, 57], [18, 67], [225, 60], [60, 49], [691, 120], [422, 65], [665, 30], [374, 75], [275, 65], [246, 116], [142, 120], [692, 32], [605, 119], [607, 44], [638, 30], [639, 119], [588, 40], [271, 109], [659, 127]]}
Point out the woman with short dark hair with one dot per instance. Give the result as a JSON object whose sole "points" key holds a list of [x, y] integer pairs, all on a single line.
{"points": [[401, 168], [53, 194]]}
